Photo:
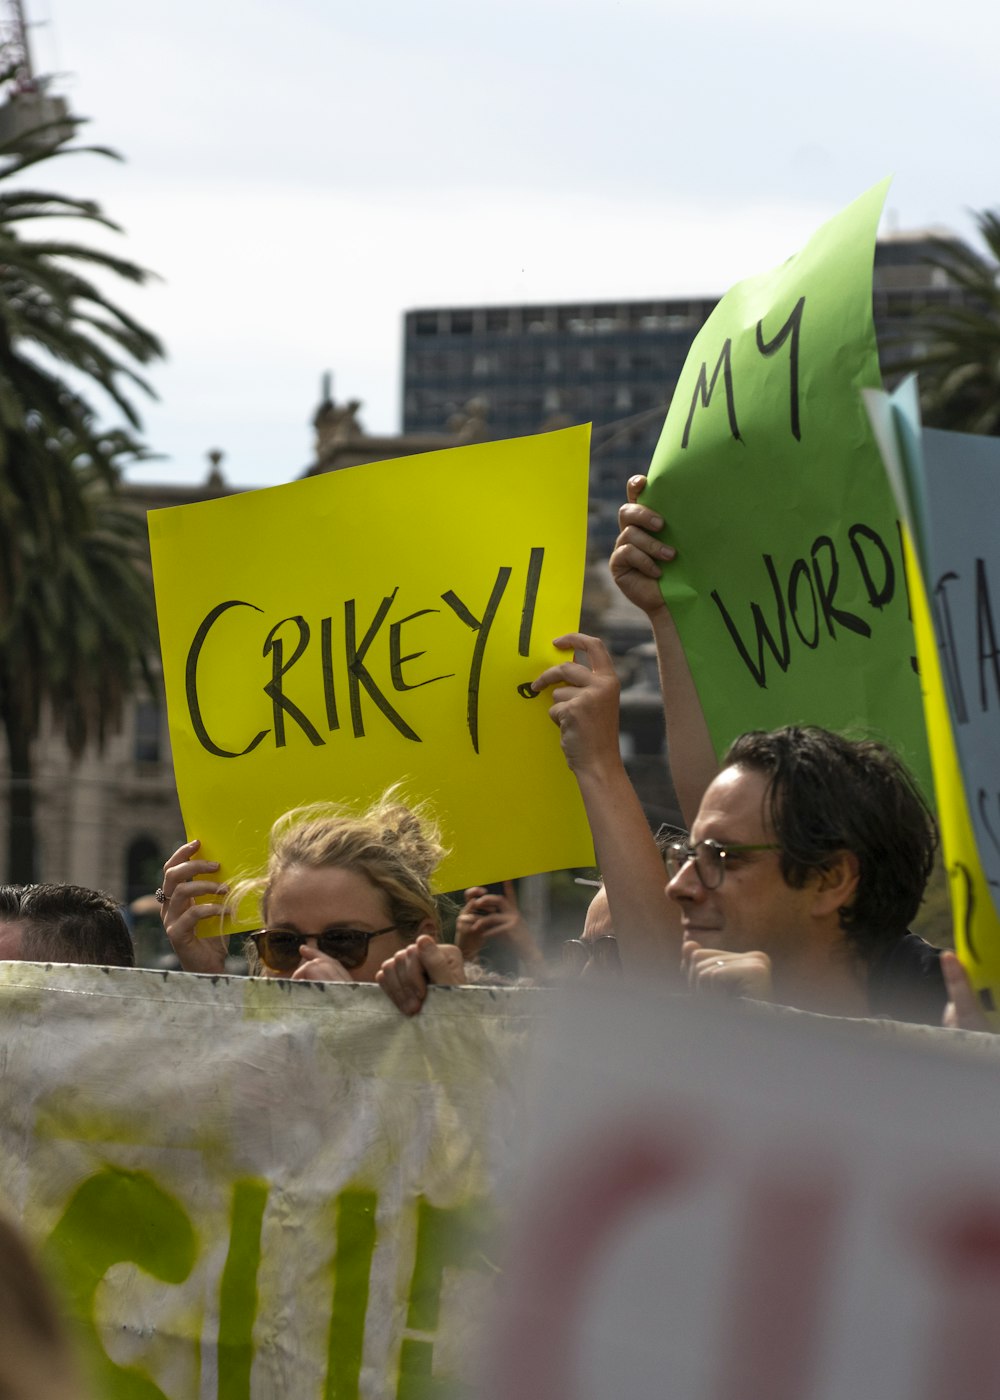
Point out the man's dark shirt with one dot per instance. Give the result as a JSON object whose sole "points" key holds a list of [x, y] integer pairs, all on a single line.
{"points": [[905, 982]]}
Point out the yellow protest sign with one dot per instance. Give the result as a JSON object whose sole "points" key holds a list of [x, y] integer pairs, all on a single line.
{"points": [[333, 636]]}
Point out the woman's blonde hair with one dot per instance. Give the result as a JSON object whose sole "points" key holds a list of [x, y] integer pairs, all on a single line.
{"points": [[393, 844]]}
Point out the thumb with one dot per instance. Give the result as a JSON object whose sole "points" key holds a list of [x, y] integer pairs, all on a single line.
{"points": [[436, 959], [967, 1014]]}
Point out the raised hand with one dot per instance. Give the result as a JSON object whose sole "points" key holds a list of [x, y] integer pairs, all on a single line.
{"points": [[184, 878]]}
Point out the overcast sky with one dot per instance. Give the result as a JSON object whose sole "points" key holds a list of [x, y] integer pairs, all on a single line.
{"points": [[301, 174]]}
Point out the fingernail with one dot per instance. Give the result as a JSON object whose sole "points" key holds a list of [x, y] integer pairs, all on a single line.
{"points": [[667, 551], [656, 523]]}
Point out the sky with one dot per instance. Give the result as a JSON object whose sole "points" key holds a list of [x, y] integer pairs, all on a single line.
{"points": [[299, 176]]}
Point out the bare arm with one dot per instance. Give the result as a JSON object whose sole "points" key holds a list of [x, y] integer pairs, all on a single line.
{"points": [[636, 566], [585, 707]]}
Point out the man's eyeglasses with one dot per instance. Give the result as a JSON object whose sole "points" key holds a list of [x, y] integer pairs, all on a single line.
{"points": [[279, 948], [709, 858]]}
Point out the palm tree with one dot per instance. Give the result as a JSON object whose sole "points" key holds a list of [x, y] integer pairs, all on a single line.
{"points": [[78, 633], [55, 320], [76, 613], [958, 354]]}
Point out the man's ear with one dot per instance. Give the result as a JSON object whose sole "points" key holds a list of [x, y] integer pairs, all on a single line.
{"points": [[837, 883]]}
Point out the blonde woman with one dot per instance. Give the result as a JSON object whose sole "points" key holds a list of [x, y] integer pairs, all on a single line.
{"points": [[344, 898]]}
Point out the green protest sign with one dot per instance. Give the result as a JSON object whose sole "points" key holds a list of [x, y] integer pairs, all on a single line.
{"points": [[789, 591]]}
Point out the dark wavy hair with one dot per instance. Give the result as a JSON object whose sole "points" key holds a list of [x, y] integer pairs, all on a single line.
{"points": [[68, 924], [827, 794]]}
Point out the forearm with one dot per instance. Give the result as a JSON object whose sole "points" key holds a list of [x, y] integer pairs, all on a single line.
{"points": [[690, 752], [644, 920]]}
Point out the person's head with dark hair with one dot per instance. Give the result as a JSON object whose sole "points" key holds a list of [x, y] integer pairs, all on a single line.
{"points": [[827, 794], [811, 853], [63, 924]]}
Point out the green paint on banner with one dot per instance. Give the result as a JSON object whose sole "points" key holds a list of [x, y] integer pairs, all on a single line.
{"points": [[789, 591], [355, 1231], [116, 1217], [238, 1290], [416, 1381], [445, 1238]]}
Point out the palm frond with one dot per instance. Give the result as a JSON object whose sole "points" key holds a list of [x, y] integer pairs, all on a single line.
{"points": [[958, 363]]}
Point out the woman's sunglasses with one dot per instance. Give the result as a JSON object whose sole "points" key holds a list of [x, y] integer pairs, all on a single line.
{"points": [[279, 949]]}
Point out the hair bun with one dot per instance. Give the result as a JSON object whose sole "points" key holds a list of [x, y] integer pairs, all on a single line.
{"points": [[412, 832]]}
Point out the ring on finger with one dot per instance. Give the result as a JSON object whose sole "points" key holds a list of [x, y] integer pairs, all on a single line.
{"points": [[161, 896]]}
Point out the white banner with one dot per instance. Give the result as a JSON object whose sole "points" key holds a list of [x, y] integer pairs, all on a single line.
{"points": [[245, 1189], [723, 1203]]}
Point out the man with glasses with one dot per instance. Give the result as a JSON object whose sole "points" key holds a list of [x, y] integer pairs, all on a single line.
{"points": [[807, 859]]}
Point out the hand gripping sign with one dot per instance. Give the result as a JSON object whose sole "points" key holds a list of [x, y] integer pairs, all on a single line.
{"points": [[789, 591], [331, 637]]}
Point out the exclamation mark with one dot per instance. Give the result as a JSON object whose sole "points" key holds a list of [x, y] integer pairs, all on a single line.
{"points": [[530, 597], [528, 615]]}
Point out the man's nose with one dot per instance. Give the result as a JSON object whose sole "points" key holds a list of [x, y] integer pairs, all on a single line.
{"points": [[685, 884]]}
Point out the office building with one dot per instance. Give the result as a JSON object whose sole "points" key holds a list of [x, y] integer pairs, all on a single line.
{"points": [[526, 369]]}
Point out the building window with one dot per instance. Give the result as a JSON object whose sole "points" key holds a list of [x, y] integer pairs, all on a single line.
{"points": [[143, 867], [426, 324], [148, 731]]}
